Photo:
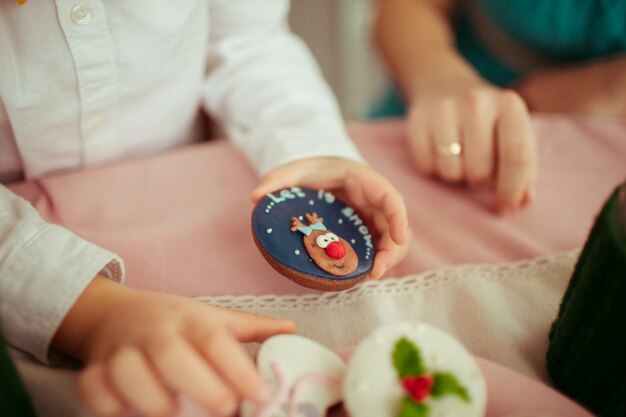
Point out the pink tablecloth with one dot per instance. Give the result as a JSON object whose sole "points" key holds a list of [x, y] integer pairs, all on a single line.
{"points": [[181, 220]]}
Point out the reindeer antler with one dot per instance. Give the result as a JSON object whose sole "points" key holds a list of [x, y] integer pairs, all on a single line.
{"points": [[295, 223], [312, 218]]}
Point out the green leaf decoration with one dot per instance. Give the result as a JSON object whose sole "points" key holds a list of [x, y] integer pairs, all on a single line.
{"points": [[446, 384], [407, 359], [410, 408]]}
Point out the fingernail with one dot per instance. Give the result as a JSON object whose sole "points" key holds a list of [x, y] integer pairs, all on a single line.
{"points": [[291, 325]]}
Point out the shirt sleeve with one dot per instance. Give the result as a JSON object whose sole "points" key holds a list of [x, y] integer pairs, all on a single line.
{"points": [[265, 89], [44, 268]]}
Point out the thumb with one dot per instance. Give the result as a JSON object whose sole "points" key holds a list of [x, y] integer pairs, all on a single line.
{"points": [[275, 180], [250, 327]]}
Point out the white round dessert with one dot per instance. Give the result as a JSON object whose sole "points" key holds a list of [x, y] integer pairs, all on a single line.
{"points": [[373, 387], [306, 376]]}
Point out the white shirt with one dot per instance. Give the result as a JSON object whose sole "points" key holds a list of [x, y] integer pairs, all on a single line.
{"points": [[86, 82]]}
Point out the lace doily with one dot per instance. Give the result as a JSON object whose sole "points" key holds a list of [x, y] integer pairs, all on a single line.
{"points": [[543, 266]]}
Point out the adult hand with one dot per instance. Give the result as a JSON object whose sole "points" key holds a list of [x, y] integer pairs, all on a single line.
{"points": [[363, 188], [476, 134]]}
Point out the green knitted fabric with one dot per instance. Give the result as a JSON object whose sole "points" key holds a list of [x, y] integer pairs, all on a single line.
{"points": [[587, 354], [14, 401]]}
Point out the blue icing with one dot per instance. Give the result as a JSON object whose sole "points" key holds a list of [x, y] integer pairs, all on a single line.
{"points": [[282, 244]]}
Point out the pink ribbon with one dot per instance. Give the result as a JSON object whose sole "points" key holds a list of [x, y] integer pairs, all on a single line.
{"points": [[284, 394]]}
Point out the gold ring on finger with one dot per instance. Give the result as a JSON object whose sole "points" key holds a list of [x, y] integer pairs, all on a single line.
{"points": [[449, 150]]}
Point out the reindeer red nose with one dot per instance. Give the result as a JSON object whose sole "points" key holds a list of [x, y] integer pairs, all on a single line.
{"points": [[336, 250]]}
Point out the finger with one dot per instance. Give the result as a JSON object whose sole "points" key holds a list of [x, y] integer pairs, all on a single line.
{"points": [[281, 178], [323, 172], [516, 154], [353, 194], [420, 142], [447, 143], [231, 361], [388, 253], [251, 327], [133, 377], [530, 195], [531, 192], [185, 371], [378, 193], [96, 393], [398, 251], [384, 258], [478, 118]]}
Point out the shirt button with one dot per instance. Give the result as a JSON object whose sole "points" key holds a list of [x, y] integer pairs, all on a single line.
{"points": [[80, 14]]}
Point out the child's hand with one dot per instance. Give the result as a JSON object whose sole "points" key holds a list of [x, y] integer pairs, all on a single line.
{"points": [[142, 348], [367, 191], [477, 134]]}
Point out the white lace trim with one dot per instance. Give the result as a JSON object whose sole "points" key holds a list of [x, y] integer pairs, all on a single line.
{"points": [[544, 266]]}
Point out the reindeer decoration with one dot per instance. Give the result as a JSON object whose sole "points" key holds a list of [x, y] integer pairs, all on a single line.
{"points": [[330, 252]]}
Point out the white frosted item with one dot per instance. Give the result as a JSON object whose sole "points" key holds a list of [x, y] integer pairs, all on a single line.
{"points": [[300, 357], [371, 385]]}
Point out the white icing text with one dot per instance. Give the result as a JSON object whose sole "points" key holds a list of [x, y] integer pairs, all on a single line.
{"points": [[356, 221]]}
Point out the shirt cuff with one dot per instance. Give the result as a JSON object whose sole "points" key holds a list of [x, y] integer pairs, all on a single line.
{"points": [[48, 275], [280, 145]]}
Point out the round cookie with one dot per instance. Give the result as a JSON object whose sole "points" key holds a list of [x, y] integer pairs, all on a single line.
{"points": [[313, 238], [409, 370], [306, 378]]}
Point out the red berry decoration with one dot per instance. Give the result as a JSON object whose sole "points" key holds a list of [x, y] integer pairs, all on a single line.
{"points": [[419, 383], [418, 386]]}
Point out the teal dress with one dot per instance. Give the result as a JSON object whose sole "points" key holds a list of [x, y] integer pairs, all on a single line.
{"points": [[566, 31]]}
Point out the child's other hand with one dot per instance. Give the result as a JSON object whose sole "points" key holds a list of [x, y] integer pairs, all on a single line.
{"points": [[476, 134], [142, 348], [364, 189]]}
